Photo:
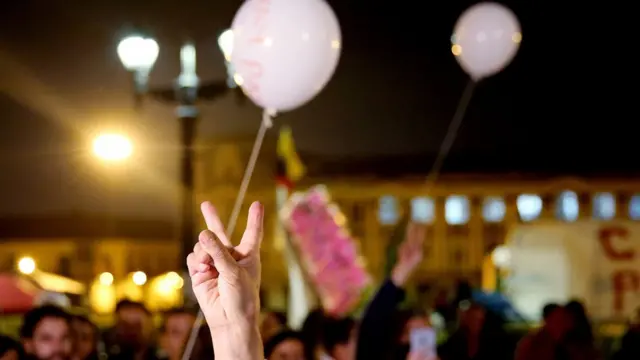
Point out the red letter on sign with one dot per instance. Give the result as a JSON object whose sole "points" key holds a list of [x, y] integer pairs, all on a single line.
{"points": [[606, 236], [623, 281]]}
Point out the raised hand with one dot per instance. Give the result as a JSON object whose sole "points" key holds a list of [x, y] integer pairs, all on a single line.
{"points": [[421, 356], [226, 282], [410, 254]]}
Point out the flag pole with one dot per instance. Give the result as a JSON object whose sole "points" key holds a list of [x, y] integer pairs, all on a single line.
{"points": [[300, 299]]}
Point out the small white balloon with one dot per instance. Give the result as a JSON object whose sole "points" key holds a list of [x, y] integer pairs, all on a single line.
{"points": [[485, 40], [284, 51]]}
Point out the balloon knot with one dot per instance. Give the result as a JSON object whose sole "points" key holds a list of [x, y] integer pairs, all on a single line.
{"points": [[267, 117]]}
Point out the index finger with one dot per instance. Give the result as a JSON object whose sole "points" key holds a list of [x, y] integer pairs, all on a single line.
{"points": [[213, 222], [416, 233]]}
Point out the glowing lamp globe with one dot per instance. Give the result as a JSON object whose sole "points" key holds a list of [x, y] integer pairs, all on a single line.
{"points": [[139, 278], [138, 53], [501, 257], [225, 42], [27, 265], [112, 147]]}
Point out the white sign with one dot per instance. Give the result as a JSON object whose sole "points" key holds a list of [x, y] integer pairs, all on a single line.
{"points": [[594, 262]]}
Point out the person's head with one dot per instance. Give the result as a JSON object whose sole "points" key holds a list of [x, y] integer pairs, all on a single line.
{"points": [[472, 318], [286, 345], [46, 333], [339, 338], [9, 349], [85, 336], [554, 318], [175, 331], [272, 323], [133, 323], [548, 310], [577, 320], [312, 332]]}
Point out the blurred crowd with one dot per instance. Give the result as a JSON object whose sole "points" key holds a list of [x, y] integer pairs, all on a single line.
{"points": [[382, 332]]}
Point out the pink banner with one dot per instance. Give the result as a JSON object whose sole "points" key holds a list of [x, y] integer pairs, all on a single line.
{"points": [[327, 251]]}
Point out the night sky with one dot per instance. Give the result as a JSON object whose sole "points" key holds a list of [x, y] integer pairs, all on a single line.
{"points": [[394, 92]]}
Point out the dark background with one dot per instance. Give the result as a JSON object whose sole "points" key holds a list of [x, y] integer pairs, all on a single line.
{"points": [[394, 92]]}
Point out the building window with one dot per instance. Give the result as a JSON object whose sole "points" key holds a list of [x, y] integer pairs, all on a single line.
{"points": [[568, 206], [604, 206], [456, 210], [529, 206], [423, 210], [493, 209], [634, 207], [388, 213]]}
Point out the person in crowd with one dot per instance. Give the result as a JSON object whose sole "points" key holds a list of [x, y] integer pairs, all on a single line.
{"points": [[175, 332], [273, 323], [46, 333], [408, 320], [10, 349], [85, 338], [630, 342], [225, 280], [374, 338], [203, 347], [546, 342], [286, 345], [312, 333], [339, 338], [480, 336], [130, 338], [579, 341]]}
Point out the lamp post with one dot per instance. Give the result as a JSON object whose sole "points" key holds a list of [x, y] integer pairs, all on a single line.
{"points": [[138, 54], [112, 147]]}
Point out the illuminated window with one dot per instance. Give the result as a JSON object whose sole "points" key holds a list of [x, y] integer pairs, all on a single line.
{"points": [[456, 210], [493, 209], [568, 206], [388, 210], [604, 206], [529, 206], [634, 207], [422, 210]]}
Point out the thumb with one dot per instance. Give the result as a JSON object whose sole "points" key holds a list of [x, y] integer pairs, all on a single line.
{"points": [[222, 259]]}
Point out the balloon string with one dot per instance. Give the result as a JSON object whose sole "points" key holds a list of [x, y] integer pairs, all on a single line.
{"points": [[266, 124], [451, 134]]}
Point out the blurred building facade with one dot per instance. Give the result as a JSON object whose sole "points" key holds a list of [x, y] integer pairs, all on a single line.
{"points": [[468, 211], [83, 247]]}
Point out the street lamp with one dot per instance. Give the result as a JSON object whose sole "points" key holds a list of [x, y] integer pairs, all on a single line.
{"points": [[138, 55], [225, 42], [106, 279], [27, 265], [112, 147], [139, 278]]}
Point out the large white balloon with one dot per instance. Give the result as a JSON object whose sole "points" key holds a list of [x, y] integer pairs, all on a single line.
{"points": [[284, 51], [485, 39]]}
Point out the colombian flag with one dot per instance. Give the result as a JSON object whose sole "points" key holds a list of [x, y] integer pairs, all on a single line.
{"points": [[290, 169]]}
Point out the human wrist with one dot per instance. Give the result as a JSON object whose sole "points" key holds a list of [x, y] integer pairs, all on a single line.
{"points": [[399, 277], [237, 342]]}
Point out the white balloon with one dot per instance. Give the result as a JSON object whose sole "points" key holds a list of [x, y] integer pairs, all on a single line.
{"points": [[284, 51], [485, 39]]}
